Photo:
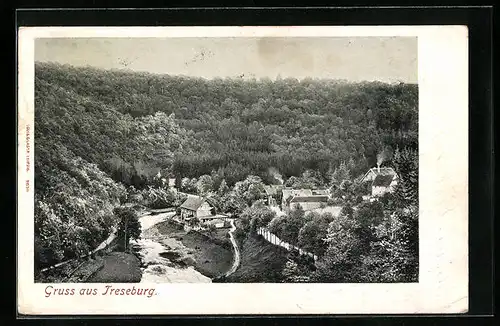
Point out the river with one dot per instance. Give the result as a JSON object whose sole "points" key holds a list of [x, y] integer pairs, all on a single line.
{"points": [[155, 251]]}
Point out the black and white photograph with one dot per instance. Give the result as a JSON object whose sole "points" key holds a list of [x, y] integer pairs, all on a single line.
{"points": [[288, 160], [226, 160]]}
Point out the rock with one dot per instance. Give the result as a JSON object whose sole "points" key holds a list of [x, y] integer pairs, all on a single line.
{"points": [[188, 261], [158, 269], [171, 255]]}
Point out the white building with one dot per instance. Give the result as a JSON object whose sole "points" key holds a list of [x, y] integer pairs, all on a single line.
{"points": [[383, 184], [309, 202], [195, 206], [382, 180]]}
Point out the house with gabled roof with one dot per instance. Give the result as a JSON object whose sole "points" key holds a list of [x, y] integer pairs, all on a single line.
{"points": [[195, 207], [309, 202], [373, 172], [382, 180], [199, 208], [312, 197], [289, 193]]}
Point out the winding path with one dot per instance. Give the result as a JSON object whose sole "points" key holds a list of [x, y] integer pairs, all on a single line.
{"points": [[237, 256], [103, 245], [106, 242]]}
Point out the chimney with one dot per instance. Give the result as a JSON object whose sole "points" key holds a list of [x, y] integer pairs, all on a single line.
{"points": [[378, 167]]}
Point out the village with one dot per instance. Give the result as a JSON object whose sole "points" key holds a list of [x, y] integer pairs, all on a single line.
{"points": [[197, 213], [213, 248]]}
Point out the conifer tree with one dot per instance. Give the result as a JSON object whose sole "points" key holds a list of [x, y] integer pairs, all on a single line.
{"points": [[406, 165]]}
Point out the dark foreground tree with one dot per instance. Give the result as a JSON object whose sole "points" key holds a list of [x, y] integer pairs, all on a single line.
{"points": [[313, 234], [128, 227]]}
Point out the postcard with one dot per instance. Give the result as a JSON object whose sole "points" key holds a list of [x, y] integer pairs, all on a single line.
{"points": [[242, 170]]}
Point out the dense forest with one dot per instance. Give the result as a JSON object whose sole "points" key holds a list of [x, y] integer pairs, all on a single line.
{"points": [[233, 126], [102, 136]]}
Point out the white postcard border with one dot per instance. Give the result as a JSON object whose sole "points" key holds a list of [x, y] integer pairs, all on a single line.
{"points": [[443, 198]]}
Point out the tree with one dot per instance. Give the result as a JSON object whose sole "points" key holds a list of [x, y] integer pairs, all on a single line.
{"points": [[313, 234], [158, 197], [311, 179], [223, 188], [189, 185], [292, 182], [406, 165], [339, 175], [194, 221], [204, 184], [406, 202], [292, 273], [258, 215], [211, 230], [129, 226], [250, 189], [342, 255], [345, 192], [233, 204], [277, 224], [287, 227], [369, 214]]}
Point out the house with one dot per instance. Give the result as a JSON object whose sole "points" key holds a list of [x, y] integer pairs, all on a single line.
{"points": [[272, 194], [195, 207], [321, 192], [289, 193], [382, 180], [373, 172], [383, 184], [309, 202], [217, 222]]}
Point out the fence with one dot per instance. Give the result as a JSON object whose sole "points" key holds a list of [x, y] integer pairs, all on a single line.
{"points": [[272, 238]]}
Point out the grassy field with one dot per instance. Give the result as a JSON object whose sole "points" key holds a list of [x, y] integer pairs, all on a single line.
{"points": [[260, 262], [118, 267]]}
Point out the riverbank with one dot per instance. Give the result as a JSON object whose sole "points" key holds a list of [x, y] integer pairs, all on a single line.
{"points": [[211, 256], [165, 253]]}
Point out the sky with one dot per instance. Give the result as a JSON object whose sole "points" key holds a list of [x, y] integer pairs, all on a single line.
{"points": [[386, 59]]}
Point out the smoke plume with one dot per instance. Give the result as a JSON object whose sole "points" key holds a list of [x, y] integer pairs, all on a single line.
{"points": [[275, 173], [380, 158], [384, 155]]}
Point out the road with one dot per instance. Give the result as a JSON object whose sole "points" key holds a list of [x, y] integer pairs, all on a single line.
{"points": [[237, 256], [106, 242], [103, 245]]}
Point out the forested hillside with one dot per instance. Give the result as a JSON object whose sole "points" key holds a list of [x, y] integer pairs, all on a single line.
{"points": [[98, 132], [242, 127]]}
